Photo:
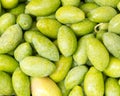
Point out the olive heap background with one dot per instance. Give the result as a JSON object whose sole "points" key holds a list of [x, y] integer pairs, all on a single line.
{"points": [[60, 47]]}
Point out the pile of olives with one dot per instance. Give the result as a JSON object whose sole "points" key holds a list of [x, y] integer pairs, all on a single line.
{"points": [[60, 47]]}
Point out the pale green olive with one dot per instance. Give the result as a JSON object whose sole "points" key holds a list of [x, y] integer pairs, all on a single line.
{"points": [[42, 7], [69, 14], [8, 4], [101, 14]]}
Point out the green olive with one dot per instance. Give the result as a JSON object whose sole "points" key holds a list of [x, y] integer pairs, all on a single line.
{"points": [[67, 41], [21, 83], [112, 87], [42, 7], [63, 66], [112, 3], [8, 4], [113, 67], [18, 9], [94, 83], [114, 24], [69, 14], [44, 87], [11, 37], [83, 27], [101, 14], [87, 7], [6, 20], [25, 21], [8, 63], [37, 66], [6, 87], [49, 27], [22, 51], [75, 76]]}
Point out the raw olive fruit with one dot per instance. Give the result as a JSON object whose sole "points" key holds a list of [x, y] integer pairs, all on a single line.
{"points": [[97, 53], [114, 24], [9, 4], [83, 27], [49, 27], [45, 47], [6, 87], [6, 20], [101, 14], [113, 68], [37, 66], [63, 66], [112, 88], [69, 14], [76, 91], [42, 7], [75, 76], [25, 21], [11, 37], [87, 7], [22, 51], [44, 87], [94, 83], [8, 63], [21, 83], [112, 3], [112, 43], [67, 41]]}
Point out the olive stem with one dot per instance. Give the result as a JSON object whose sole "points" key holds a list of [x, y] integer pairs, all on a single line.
{"points": [[96, 28]]}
